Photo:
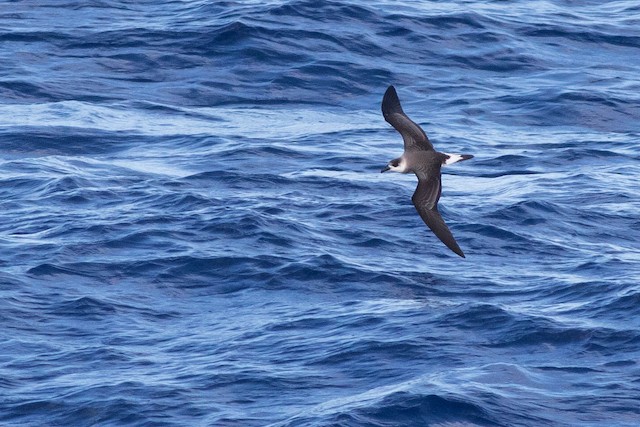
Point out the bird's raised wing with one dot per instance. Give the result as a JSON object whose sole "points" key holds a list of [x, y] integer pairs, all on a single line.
{"points": [[425, 199], [412, 134]]}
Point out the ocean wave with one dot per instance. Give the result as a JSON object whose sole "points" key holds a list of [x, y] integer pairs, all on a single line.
{"points": [[412, 409], [194, 227]]}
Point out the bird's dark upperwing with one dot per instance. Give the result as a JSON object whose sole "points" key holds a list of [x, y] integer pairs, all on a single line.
{"points": [[412, 134], [425, 199]]}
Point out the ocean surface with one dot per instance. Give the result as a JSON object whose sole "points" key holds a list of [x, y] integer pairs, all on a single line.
{"points": [[194, 229]]}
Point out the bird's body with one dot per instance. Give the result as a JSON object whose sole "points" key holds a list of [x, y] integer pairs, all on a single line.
{"points": [[425, 162]]}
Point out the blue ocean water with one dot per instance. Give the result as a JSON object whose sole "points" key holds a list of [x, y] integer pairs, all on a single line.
{"points": [[194, 229]]}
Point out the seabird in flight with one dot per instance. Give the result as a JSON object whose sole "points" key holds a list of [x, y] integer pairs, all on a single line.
{"points": [[422, 159]]}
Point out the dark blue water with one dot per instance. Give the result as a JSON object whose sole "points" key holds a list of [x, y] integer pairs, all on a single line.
{"points": [[194, 229]]}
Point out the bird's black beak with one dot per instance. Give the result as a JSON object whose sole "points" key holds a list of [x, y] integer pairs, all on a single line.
{"points": [[386, 168]]}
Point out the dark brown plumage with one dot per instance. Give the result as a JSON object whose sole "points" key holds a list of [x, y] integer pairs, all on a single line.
{"points": [[421, 158]]}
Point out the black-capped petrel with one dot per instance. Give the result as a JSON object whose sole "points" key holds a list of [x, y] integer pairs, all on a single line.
{"points": [[422, 159]]}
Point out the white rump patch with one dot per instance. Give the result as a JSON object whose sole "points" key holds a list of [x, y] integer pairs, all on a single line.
{"points": [[453, 158]]}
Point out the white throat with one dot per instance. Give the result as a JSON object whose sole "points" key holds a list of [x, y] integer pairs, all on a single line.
{"points": [[402, 166]]}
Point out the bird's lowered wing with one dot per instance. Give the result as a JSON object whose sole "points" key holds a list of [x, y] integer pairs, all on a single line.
{"points": [[425, 199], [412, 134]]}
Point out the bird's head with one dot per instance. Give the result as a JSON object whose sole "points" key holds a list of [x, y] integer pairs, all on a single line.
{"points": [[395, 165]]}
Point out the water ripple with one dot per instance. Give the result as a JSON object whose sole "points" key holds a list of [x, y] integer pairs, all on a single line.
{"points": [[194, 229]]}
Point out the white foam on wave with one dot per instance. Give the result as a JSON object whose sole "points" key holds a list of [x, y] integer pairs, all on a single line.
{"points": [[219, 121]]}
